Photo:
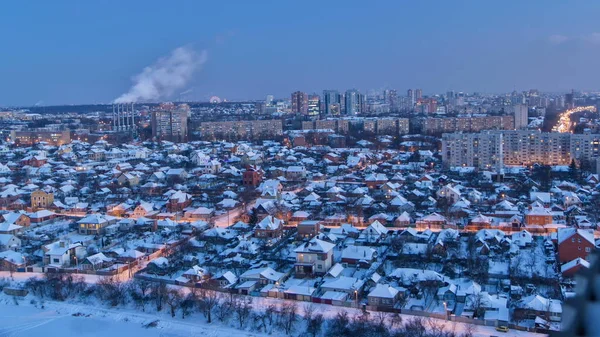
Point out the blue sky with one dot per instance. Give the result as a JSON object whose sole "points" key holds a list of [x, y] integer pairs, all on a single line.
{"points": [[69, 52]]}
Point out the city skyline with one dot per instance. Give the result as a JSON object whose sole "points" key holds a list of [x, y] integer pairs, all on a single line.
{"points": [[91, 52]]}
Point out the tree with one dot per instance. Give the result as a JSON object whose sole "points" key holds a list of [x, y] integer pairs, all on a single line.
{"points": [[140, 292], [173, 299], [288, 316], [339, 325], [158, 294], [188, 303], [573, 170], [208, 301], [242, 308], [315, 324], [223, 307]]}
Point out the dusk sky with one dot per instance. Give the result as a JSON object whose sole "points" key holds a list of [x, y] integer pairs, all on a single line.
{"points": [[70, 52]]}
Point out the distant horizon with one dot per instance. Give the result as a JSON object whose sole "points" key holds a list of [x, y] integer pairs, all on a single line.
{"points": [[401, 93]]}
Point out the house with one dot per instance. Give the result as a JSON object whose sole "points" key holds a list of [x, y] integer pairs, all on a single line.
{"points": [[200, 213], [196, 274], [308, 229], [94, 224], [374, 232], [17, 218], [178, 201], [263, 276], [359, 255], [96, 262], [128, 179], [295, 173], [571, 268], [451, 193], [431, 221], [144, 209], [224, 280], [176, 175], [11, 260], [268, 228], [534, 306], [314, 257], [480, 221], [9, 242], [574, 243], [385, 296], [63, 254], [299, 293], [538, 216], [252, 176], [8, 228], [349, 285], [41, 199]]}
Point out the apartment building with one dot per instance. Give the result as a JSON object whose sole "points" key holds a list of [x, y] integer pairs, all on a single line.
{"points": [[35, 136], [467, 124], [256, 129], [494, 149]]}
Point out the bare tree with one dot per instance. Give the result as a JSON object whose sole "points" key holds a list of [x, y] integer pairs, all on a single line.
{"points": [[159, 294], [315, 325], [288, 316], [224, 307], [112, 290], [188, 303], [395, 320], [242, 308], [140, 292], [469, 330], [173, 299], [209, 299]]}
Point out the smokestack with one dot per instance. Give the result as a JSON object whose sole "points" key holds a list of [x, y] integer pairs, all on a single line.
{"points": [[132, 117], [121, 117], [114, 119]]}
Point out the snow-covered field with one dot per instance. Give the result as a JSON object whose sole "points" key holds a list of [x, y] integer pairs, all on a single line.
{"points": [[64, 319]]}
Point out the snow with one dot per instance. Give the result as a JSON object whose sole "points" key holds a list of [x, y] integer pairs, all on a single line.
{"points": [[57, 319]]}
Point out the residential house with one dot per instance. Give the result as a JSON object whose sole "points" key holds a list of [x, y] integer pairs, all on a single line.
{"points": [[314, 257], [574, 243]]}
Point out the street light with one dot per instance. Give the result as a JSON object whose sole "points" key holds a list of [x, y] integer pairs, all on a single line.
{"points": [[445, 310]]}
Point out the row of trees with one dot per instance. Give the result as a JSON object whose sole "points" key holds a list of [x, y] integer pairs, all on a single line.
{"points": [[238, 311]]}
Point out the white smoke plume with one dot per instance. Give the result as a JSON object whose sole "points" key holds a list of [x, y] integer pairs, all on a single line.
{"points": [[165, 76]]}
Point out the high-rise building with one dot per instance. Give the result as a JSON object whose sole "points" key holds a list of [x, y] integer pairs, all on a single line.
{"points": [[521, 113], [170, 124], [355, 102], [570, 100], [314, 105], [300, 102], [269, 100], [418, 94], [332, 102], [390, 97]]}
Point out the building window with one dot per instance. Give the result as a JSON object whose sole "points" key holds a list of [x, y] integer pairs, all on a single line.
{"points": [[588, 249]]}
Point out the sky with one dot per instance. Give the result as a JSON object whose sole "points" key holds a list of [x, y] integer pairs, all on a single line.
{"points": [[74, 52]]}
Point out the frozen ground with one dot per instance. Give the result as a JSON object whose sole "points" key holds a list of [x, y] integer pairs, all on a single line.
{"points": [[64, 319]]}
